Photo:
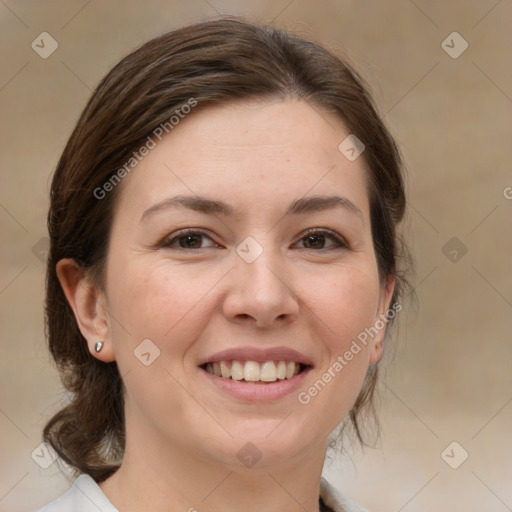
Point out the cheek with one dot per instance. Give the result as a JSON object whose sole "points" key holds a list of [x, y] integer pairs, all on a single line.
{"points": [[343, 309], [171, 307], [345, 301], [160, 302]]}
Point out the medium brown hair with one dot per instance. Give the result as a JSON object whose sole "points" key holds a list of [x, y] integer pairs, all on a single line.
{"points": [[213, 62]]}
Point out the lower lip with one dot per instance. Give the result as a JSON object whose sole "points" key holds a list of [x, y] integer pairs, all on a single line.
{"points": [[257, 392]]}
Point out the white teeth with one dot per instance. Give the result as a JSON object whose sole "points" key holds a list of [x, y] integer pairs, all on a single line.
{"points": [[224, 370], [237, 370], [281, 370], [268, 372], [251, 371]]}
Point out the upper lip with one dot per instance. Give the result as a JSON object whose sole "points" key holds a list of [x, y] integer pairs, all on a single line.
{"points": [[258, 355]]}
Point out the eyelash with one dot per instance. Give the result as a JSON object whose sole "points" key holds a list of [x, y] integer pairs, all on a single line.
{"points": [[338, 240]]}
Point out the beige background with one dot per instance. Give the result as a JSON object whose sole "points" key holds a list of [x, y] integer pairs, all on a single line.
{"points": [[451, 377]]}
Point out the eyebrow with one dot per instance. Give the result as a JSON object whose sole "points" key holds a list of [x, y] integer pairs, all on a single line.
{"points": [[298, 207]]}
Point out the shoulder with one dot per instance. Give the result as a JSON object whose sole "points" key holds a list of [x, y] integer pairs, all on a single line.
{"points": [[336, 501], [83, 496]]}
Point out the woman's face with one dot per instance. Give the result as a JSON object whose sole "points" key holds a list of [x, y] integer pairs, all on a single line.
{"points": [[244, 237]]}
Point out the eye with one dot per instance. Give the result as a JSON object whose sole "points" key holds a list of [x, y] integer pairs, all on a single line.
{"points": [[322, 239], [188, 239]]}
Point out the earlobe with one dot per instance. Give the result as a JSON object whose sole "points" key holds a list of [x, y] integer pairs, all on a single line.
{"points": [[376, 353], [87, 302]]}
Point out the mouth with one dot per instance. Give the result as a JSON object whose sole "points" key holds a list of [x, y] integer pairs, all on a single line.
{"points": [[254, 372]]}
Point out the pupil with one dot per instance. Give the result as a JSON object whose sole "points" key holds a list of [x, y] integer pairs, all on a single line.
{"points": [[315, 240], [189, 240]]}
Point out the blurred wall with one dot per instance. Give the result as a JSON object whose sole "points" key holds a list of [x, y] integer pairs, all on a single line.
{"points": [[450, 108]]}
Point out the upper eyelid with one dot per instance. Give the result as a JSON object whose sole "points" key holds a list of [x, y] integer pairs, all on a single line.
{"points": [[340, 238], [186, 231]]}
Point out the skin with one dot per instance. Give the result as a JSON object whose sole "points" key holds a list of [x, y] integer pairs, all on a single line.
{"points": [[183, 434]]}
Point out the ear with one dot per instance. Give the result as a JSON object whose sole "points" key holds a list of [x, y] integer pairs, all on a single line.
{"points": [[88, 303], [381, 319]]}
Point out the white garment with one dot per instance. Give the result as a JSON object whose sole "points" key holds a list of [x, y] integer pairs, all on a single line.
{"points": [[85, 495]]}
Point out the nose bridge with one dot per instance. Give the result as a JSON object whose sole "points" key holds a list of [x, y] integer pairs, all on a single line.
{"points": [[260, 289], [264, 274]]}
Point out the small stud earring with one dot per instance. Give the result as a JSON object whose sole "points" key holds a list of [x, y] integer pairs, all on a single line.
{"points": [[98, 346]]}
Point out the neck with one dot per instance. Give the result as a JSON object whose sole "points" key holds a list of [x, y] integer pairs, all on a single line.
{"points": [[174, 479]]}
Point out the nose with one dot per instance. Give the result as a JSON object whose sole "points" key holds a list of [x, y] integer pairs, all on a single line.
{"points": [[260, 293]]}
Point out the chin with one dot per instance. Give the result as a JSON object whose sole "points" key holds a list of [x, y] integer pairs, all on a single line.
{"points": [[264, 444]]}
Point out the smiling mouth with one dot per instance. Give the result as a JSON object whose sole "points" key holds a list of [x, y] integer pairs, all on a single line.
{"points": [[254, 372]]}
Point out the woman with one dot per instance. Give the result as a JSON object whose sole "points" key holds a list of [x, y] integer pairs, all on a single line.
{"points": [[223, 269]]}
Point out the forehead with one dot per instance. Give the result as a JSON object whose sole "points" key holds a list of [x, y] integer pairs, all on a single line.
{"points": [[259, 152]]}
